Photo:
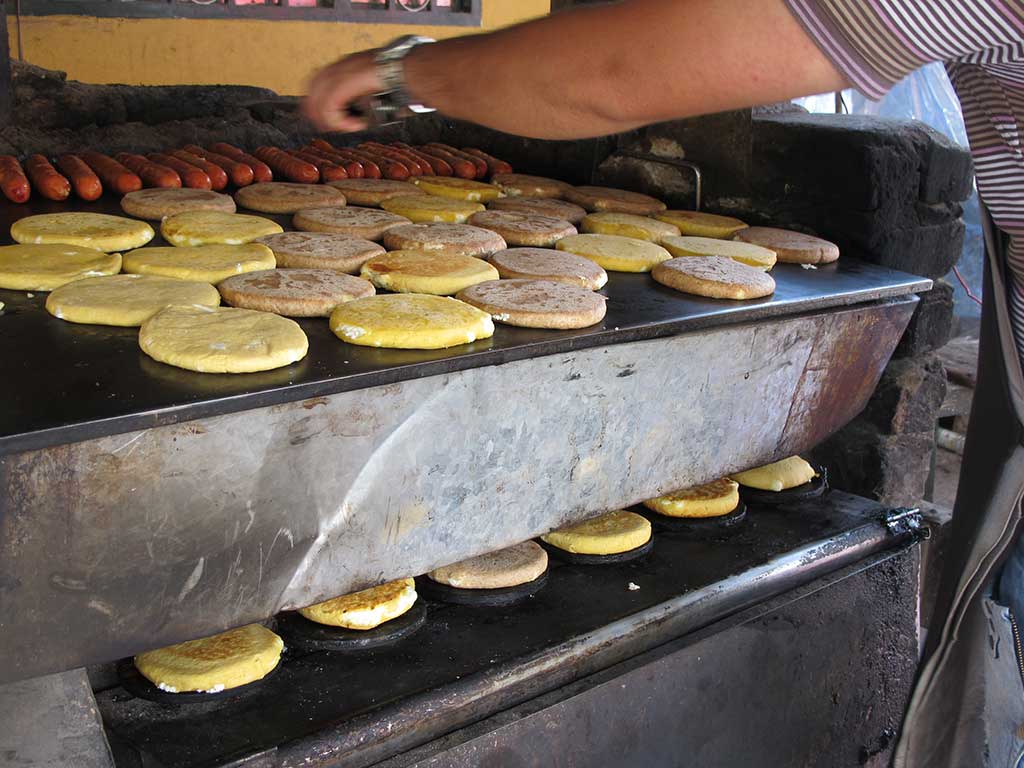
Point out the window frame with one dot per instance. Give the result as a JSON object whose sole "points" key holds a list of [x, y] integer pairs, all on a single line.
{"points": [[343, 10]]}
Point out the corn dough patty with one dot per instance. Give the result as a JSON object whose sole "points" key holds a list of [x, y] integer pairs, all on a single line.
{"points": [[365, 223], [222, 339], [702, 224], [213, 664], [745, 253], [45, 267], [628, 225], [366, 609], [536, 303], [616, 200], [558, 209], [714, 277], [779, 476], [320, 250], [450, 239], [791, 247], [426, 272], [528, 229], [426, 209], [614, 252], [207, 263], [89, 230], [213, 227], [373, 192], [125, 300], [525, 185], [155, 204], [294, 292], [457, 188], [509, 567], [549, 264], [410, 321], [609, 534], [288, 197], [714, 499]]}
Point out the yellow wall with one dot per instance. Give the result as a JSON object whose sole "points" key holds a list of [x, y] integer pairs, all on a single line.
{"points": [[273, 54]]}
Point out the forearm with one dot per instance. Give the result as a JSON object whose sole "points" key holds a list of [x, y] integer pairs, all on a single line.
{"points": [[606, 69]]}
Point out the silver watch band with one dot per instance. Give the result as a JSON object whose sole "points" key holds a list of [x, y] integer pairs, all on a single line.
{"points": [[390, 62]]}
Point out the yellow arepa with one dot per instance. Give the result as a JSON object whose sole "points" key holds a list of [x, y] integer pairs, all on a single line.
{"points": [[609, 534], [45, 267], [410, 321], [213, 664], [779, 476], [366, 609], [714, 499]]}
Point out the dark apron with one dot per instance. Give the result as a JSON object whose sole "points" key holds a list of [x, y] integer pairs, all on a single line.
{"points": [[967, 710]]}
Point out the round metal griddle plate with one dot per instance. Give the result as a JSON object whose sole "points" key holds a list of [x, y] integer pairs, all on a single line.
{"points": [[700, 527], [139, 686], [300, 632], [575, 558], [480, 598], [815, 489]]}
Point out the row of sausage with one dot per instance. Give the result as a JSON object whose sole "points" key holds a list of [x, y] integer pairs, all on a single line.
{"points": [[87, 174]]}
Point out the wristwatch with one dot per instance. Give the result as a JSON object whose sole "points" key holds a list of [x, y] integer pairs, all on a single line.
{"points": [[393, 103]]}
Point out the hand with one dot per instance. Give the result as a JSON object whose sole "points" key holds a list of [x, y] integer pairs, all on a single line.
{"points": [[334, 88]]}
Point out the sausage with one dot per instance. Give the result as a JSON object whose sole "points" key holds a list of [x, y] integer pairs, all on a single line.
{"points": [[329, 170], [291, 168], [462, 168], [439, 166], [412, 165], [13, 181], [45, 178], [218, 178], [260, 170], [353, 168], [114, 175], [370, 169], [494, 165], [426, 168], [191, 177], [87, 185], [152, 174], [240, 174], [479, 164], [389, 168]]}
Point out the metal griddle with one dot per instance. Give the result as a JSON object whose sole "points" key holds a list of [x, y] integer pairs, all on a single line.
{"points": [[65, 382], [469, 662]]}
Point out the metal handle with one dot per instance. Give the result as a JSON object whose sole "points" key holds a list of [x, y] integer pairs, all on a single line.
{"points": [[675, 163]]}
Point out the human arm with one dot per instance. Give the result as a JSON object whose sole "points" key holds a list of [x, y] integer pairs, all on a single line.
{"points": [[601, 69]]}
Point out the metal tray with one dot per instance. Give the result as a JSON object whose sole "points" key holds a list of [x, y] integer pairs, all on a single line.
{"points": [[64, 382]]}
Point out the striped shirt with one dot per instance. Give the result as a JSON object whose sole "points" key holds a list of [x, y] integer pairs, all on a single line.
{"points": [[875, 43]]}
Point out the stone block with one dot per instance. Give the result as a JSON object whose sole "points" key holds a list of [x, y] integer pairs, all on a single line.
{"points": [[932, 324], [908, 396], [948, 171], [892, 469]]}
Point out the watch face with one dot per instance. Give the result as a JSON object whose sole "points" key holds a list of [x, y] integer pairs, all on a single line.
{"points": [[414, 5]]}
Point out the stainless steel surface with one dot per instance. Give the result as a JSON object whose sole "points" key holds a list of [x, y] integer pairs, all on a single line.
{"points": [[65, 382], [130, 541], [52, 721]]}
